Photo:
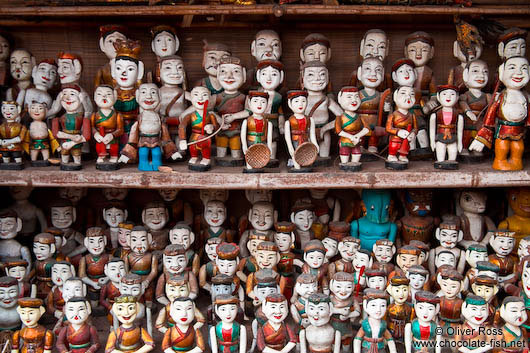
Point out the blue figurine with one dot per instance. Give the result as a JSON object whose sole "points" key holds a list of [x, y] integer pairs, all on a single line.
{"points": [[376, 223]]}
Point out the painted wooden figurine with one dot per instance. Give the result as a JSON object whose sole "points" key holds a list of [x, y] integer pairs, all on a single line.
{"points": [[303, 217], [108, 34], [114, 213], [183, 337], [228, 336], [261, 217], [155, 217], [61, 271], [306, 284], [63, 216], [518, 198], [207, 270], [18, 269], [487, 288], [6, 44], [451, 284], [347, 250], [42, 140], [418, 223], [406, 257], [374, 44], [212, 54], [314, 254], [182, 234], [276, 335], [320, 335], [376, 278], [44, 251], [512, 42], [284, 238], [514, 336], [449, 234], [422, 330], [78, 336], [172, 91], [9, 294], [503, 242], [266, 284], [474, 223], [14, 137], [362, 260], [226, 263], [418, 280], [33, 337], [114, 270], [267, 257], [44, 76], [10, 226], [21, 63], [399, 313], [475, 252], [164, 43], [473, 330], [344, 309]]}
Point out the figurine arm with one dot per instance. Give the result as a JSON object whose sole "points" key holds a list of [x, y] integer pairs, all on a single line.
{"points": [[336, 348], [391, 346], [78, 250], [270, 130], [61, 341], [213, 339], [194, 287], [438, 347], [202, 278], [354, 229], [119, 126], [48, 341], [464, 107], [312, 133], [432, 268], [287, 136], [103, 298], [242, 339], [336, 210], [358, 340], [160, 290], [295, 314], [26, 255], [149, 344], [244, 144], [408, 338], [94, 340], [160, 322], [87, 105], [15, 341], [334, 107], [432, 131], [461, 262], [393, 232], [243, 248], [292, 340], [281, 120], [460, 132], [303, 343], [154, 269], [390, 125]]}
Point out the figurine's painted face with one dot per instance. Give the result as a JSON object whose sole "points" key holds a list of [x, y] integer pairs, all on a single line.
{"points": [[211, 251], [318, 314], [114, 216], [473, 201], [262, 292], [477, 75], [416, 280], [316, 78], [515, 47], [175, 264], [115, 194], [108, 44], [514, 313], [70, 99], [131, 289], [62, 217], [519, 200], [104, 97], [8, 227], [182, 312], [42, 251], [76, 312], [404, 97], [17, 272], [231, 76], [139, 242], [276, 312], [450, 287], [405, 261], [399, 293], [267, 46], [383, 253], [8, 296], [215, 213], [155, 218], [269, 78], [10, 111], [304, 220], [96, 245], [115, 271], [123, 237], [448, 238], [226, 267], [267, 259], [21, 64], [425, 311], [474, 53], [148, 96], [305, 289], [331, 246], [361, 260], [73, 194], [227, 312], [168, 194], [372, 72], [484, 291], [125, 312], [173, 291], [4, 49], [515, 74], [45, 75], [283, 241], [341, 289], [316, 52], [125, 73], [374, 45], [347, 250], [37, 111], [67, 71], [258, 105], [252, 246], [472, 257], [445, 258], [375, 308], [419, 52], [254, 196], [523, 249], [164, 44], [73, 289], [503, 246], [172, 72], [418, 202], [298, 104], [218, 289], [30, 316], [211, 60], [262, 216], [60, 273], [315, 259], [376, 282], [349, 101], [448, 98], [199, 97], [181, 236], [405, 75]]}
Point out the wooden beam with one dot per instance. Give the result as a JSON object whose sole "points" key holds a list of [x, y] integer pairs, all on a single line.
{"points": [[186, 21]]}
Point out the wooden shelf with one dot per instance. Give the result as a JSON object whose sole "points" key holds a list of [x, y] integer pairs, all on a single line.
{"points": [[374, 175]]}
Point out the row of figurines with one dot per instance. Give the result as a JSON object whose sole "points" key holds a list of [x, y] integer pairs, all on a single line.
{"points": [[138, 122]]}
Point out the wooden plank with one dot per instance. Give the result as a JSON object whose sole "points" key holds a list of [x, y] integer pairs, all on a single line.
{"points": [[186, 21]]}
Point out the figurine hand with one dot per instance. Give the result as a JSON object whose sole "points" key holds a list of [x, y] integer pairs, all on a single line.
{"points": [[459, 147], [209, 129], [163, 329], [59, 149], [282, 130], [198, 325], [305, 322], [145, 284], [256, 302], [68, 145], [77, 138], [107, 139], [123, 159], [228, 118], [183, 145], [11, 146], [98, 137], [2, 142], [58, 314], [411, 137], [387, 106], [103, 280], [176, 156], [169, 350], [96, 286], [430, 105], [403, 133], [355, 139], [471, 115], [476, 146]]}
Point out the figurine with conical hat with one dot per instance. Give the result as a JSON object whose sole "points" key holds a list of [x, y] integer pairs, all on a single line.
{"points": [[33, 337], [183, 337], [449, 233], [212, 54], [344, 309], [423, 329], [164, 43], [9, 294], [228, 336], [78, 336], [108, 34], [14, 137], [320, 335], [276, 335]]}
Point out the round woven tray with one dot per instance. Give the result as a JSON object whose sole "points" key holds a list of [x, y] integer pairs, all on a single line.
{"points": [[258, 155], [306, 154]]}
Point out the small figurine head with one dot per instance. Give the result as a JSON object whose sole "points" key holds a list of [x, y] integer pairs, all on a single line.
{"points": [[269, 74], [210, 248], [445, 257], [303, 215], [374, 45], [297, 101], [377, 205], [215, 213], [524, 248], [502, 242], [418, 276], [115, 269], [472, 53], [10, 224], [9, 292], [341, 285], [418, 202], [73, 287], [512, 42], [384, 250], [476, 252], [315, 76], [257, 102], [44, 246], [347, 248], [108, 34], [419, 47], [37, 110], [375, 303], [183, 310], [70, 67], [176, 287], [114, 213], [139, 240], [487, 287], [126, 308], [318, 309], [449, 233], [426, 306], [519, 200], [231, 74], [181, 234], [114, 194], [266, 46], [447, 95], [403, 73], [407, 256], [212, 55], [126, 68], [155, 215], [70, 97], [254, 239], [314, 253], [349, 98], [332, 246], [450, 282], [95, 241], [399, 289], [21, 64], [124, 232], [222, 284], [172, 72], [227, 258], [30, 311], [174, 258], [315, 47], [77, 310], [5, 46], [226, 307], [105, 96], [165, 41], [513, 311], [131, 284], [74, 194], [284, 236], [266, 284], [60, 239], [371, 72], [473, 201], [11, 111], [257, 195], [375, 278], [262, 215], [486, 268], [525, 277], [148, 96], [61, 271], [169, 194], [200, 96], [44, 74], [514, 72], [475, 74], [276, 308], [16, 268], [404, 97], [362, 258], [267, 255], [306, 284]]}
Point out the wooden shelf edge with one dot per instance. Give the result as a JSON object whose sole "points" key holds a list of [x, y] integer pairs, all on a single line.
{"points": [[374, 175]]}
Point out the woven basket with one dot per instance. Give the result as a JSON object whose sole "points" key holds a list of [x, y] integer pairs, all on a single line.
{"points": [[258, 156], [306, 154]]}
